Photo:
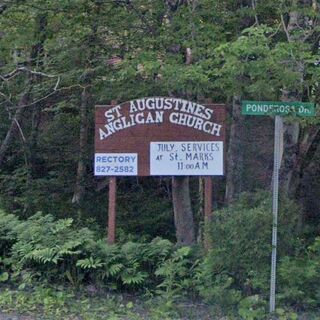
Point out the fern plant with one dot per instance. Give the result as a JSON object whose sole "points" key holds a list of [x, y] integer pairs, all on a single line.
{"points": [[8, 236], [4, 276], [131, 265], [50, 246], [176, 273], [43, 248]]}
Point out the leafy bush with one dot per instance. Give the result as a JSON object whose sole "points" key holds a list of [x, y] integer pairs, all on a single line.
{"points": [[176, 273], [218, 289], [45, 249], [130, 265], [42, 302], [234, 274], [239, 261], [8, 222], [300, 278], [252, 308], [48, 247]]}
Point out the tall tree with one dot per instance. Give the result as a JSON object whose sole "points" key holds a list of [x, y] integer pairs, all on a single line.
{"points": [[85, 101], [183, 214], [300, 29], [235, 153]]}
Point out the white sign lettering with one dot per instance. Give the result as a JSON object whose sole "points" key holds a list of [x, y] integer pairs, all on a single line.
{"points": [[186, 158], [115, 164], [157, 111]]}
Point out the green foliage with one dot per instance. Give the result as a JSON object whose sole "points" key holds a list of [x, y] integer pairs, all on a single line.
{"points": [[177, 274], [300, 277], [235, 273], [237, 48], [52, 303], [4, 276], [264, 66], [43, 244], [217, 289], [131, 265], [55, 250], [8, 222], [252, 308], [283, 314], [43, 302], [48, 250], [89, 263], [147, 217], [239, 262]]}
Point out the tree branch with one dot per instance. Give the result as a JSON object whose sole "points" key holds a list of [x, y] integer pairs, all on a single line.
{"points": [[49, 95], [12, 74], [253, 4], [285, 28], [20, 130]]}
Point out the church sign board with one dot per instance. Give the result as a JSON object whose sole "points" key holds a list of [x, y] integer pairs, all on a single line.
{"points": [[159, 136]]}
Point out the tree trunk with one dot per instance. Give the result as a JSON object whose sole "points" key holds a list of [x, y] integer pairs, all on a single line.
{"points": [[300, 153], [295, 146], [183, 216], [81, 169], [37, 56], [36, 53], [290, 158], [308, 191], [79, 190], [13, 128], [235, 153], [33, 141], [291, 131]]}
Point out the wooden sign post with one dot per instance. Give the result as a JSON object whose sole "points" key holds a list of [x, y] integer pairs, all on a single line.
{"points": [[159, 136], [112, 210], [207, 198]]}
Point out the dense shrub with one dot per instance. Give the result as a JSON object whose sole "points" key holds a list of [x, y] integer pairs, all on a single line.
{"points": [[300, 278], [49, 248], [56, 251], [239, 261], [8, 222], [130, 265], [234, 274]]}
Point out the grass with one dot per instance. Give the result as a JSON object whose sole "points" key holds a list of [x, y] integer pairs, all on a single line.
{"points": [[53, 303], [49, 303]]}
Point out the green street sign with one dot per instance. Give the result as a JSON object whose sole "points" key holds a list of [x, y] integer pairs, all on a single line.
{"points": [[262, 108]]}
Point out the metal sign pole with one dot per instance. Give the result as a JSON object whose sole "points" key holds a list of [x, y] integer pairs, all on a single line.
{"points": [[278, 128], [278, 108]]}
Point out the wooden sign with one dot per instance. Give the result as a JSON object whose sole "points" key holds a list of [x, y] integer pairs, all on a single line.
{"points": [[159, 136]]}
